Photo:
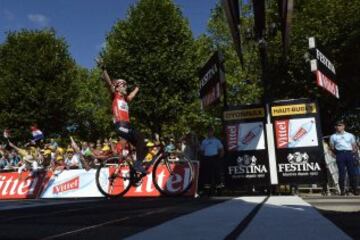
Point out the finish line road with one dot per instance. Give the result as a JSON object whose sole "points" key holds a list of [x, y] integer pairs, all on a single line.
{"points": [[257, 217]]}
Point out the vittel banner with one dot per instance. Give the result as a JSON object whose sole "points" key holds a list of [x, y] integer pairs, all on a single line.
{"points": [[13, 186], [298, 143], [247, 157], [73, 183], [81, 183]]}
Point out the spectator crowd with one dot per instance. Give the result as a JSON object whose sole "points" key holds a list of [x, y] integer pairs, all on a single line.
{"points": [[41, 154]]}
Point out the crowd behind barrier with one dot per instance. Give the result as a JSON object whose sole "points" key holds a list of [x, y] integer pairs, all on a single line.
{"points": [[48, 155], [46, 169]]}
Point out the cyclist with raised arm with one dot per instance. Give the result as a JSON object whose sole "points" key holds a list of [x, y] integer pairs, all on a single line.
{"points": [[121, 117]]}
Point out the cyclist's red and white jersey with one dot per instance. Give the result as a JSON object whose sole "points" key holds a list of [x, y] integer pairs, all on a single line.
{"points": [[120, 108]]}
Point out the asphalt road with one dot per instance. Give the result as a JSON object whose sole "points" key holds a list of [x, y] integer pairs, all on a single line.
{"points": [[344, 212], [99, 219], [120, 218]]}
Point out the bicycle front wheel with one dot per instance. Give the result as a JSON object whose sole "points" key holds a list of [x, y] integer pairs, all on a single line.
{"points": [[113, 177], [173, 177]]}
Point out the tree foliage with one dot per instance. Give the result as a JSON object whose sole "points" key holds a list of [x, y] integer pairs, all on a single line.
{"points": [[92, 105], [334, 24], [36, 81], [154, 48], [336, 27]]}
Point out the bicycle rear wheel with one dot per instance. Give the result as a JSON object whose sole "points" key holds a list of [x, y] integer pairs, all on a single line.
{"points": [[173, 177], [113, 177]]}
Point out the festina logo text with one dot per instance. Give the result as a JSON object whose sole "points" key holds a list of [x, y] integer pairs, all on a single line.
{"points": [[234, 170], [303, 167], [321, 57], [208, 75]]}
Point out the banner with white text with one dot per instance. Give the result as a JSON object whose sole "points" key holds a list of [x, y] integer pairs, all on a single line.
{"points": [[247, 157], [298, 142]]}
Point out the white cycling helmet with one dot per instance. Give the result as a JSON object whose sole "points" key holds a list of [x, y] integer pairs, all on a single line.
{"points": [[120, 82]]}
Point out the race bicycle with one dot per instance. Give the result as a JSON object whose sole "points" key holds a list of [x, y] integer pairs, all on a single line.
{"points": [[170, 176]]}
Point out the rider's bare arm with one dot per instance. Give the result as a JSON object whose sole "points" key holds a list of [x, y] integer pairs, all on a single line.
{"points": [[13, 146], [105, 75], [74, 145], [133, 93], [108, 81]]}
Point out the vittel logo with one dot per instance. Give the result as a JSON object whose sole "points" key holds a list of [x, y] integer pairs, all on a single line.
{"points": [[10, 185], [282, 133], [72, 184], [232, 137]]}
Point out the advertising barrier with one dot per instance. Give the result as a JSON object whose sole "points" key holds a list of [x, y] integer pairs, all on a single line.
{"points": [[72, 183], [14, 187], [247, 156], [81, 183], [298, 140], [147, 189]]}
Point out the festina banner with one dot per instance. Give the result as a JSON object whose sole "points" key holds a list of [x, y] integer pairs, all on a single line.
{"points": [[324, 70], [211, 81], [247, 157], [298, 141]]}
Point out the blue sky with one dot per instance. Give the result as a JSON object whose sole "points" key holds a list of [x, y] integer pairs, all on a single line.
{"points": [[84, 23]]}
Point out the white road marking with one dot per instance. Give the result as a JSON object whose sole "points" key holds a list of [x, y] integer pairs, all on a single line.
{"points": [[290, 217], [214, 222]]}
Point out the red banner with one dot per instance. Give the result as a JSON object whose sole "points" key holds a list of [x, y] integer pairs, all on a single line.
{"points": [[176, 182], [11, 187], [326, 83], [232, 137], [282, 133]]}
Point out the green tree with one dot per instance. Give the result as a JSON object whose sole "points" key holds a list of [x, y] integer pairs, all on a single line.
{"points": [[335, 24], [36, 82], [336, 27], [243, 84], [92, 112], [154, 48]]}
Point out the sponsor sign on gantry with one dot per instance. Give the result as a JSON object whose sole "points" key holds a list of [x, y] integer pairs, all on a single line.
{"points": [[245, 136], [291, 133], [297, 136], [11, 187], [293, 109], [326, 83], [211, 79], [324, 70], [247, 158]]}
